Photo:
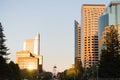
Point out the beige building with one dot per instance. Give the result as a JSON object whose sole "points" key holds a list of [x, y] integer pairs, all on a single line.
{"points": [[72, 66], [89, 33], [25, 60], [29, 57], [29, 45]]}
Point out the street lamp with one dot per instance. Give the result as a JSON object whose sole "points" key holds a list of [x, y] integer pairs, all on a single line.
{"points": [[54, 71], [97, 71]]}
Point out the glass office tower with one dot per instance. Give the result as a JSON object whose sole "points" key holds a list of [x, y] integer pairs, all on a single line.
{"points": [[111, 16], [77, 41]]}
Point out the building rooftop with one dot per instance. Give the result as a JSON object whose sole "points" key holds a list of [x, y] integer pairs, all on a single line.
{"points": [[93, 5], [114, 2]]}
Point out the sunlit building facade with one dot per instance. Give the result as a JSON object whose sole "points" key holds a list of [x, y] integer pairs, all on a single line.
{"points": [[29, 45], [25, 60], [30, 56], [111, 16], [89, 33], [77, 41]]}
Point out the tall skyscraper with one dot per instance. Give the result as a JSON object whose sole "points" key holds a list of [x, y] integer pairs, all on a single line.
{"points": [[111, 16], [30, 56], [33, 45], [37, 44], [77, 41], [89, 33]]}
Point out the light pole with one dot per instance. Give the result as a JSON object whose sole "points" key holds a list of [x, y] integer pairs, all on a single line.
{"points": [[97, 71], [54, 72]]}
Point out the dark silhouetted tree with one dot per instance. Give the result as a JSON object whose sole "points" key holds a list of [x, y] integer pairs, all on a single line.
{"points": [[46, 75], [110, 58], [15, 70], [29, 74], [4, 68], [3, 48]]}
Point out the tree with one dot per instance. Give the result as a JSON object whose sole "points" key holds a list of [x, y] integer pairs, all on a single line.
{"points": [[78, 69], [46, 75], [91, 73], [71, 74], [29, 74], [3, 53], [110, 58], [61, 75], [15, 70], [3, 48]]}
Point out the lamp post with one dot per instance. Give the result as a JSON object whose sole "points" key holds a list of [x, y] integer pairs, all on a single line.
{"points": [[97, 71], [54, 71]]}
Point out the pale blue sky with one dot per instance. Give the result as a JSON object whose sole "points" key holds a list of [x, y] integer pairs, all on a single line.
{"points": [[53, 19]]}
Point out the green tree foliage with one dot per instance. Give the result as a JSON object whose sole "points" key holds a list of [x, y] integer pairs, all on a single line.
{"points": [[78, 69], [110, 58], [61, 75], [91, 72], [68, 74], [46, 75], [29, 74], [71, 74]]}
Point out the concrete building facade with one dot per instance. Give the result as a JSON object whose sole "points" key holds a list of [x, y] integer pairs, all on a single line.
{"points": [[90, 14], [29, 45], [30, 56], [25, 60]]}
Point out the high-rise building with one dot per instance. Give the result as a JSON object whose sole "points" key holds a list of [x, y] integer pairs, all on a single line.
{"points": [[37, 44], [77, 41], [33, 45], [29, 45], [111, 16], [30, 56], [89, 33]]}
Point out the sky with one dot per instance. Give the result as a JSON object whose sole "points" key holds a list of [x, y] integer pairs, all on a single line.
{"points": [[53, 19]]}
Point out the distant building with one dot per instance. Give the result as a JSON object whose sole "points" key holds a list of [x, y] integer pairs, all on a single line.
{"points": [[72, 66], [30, 57], [33, 45], [89, 33], [25, 60], [77, 42], [29, 45], [111, 16]]}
